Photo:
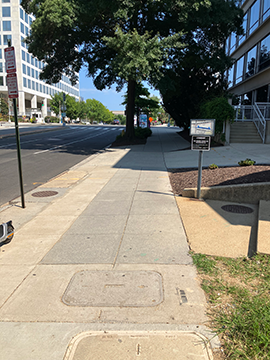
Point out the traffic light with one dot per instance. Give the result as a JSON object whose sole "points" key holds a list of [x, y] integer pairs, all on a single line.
{"points": [[64, 97]]}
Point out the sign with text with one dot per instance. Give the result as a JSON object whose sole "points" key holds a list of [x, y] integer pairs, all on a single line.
{"points": [[200, 143], [202, 127], [12, 85], [10, 60], [143, 121]]}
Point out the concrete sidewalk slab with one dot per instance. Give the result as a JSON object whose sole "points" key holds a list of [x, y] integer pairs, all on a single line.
{"points": [[213, 231], [264, 227]]}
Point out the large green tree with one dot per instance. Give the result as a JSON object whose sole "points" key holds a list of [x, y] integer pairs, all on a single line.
{"points": [[121, 41], [96, 111]]}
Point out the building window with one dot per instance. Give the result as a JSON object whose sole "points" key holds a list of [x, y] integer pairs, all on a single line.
{"points": [[22, 42], [6, 38], [262, 94], [40, 87], [29, 84], [32, 60], [266, 9], [36, 86], [36, 74], [33, 85], [264, 60], [251, 63], [5, 11], [22, 28], [254, 16], [233, 42], [21, 13], [24, 68], [26, 18], [5, 1], [7, 25], [33, 73], [244, 25], [239, 70], [23, 55], [28, 58], [1, 81], [24, 82], [28, 70], [1, 67], [26, 30], [30, 21], [231, 76]]}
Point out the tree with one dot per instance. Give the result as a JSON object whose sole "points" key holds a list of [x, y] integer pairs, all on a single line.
{"points": [[194, 74], [73, 107], [3, 106], [96, 111], [121, 41]]}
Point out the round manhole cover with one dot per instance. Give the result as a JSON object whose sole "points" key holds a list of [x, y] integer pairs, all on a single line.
{"points": [[237, 209], [44, 193]]}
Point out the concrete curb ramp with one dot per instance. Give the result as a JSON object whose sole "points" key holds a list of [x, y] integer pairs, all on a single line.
{"points": [[146, 345]]}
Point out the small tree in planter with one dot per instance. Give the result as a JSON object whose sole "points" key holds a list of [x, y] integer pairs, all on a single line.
{"points": [[222, 111]]}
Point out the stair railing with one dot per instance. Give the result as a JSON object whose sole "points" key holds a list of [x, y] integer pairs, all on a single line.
{"points": [[259, 121]]}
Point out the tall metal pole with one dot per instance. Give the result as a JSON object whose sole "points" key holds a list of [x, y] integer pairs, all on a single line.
{"points": [[199, 175], [18, 151]]}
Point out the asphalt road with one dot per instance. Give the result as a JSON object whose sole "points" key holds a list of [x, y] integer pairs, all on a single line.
{"points": [[47, 154]]}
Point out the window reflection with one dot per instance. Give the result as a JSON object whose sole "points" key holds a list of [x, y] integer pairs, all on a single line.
{"points": [[239, 70], [230, 76], [264, 60], [254, 16], [242, 37], [250, 66], [266, 9]]}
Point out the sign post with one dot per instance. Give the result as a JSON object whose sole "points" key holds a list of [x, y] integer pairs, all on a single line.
{"points": [[201, 131], [13, 94]]}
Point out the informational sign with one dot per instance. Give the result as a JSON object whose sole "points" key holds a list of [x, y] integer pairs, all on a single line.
{"points": [[12, 85], [200, 143], [10, 59], [143, 121], [202, 127]]}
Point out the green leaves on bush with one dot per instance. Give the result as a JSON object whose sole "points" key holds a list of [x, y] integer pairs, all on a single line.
{"points": [[247, 162], [212, 166]]}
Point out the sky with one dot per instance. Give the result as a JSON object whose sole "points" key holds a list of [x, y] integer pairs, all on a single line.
{"points": [[109, 97]]}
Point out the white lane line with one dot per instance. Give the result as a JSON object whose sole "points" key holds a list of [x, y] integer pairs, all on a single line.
{"points": [[72, 142], [14, 144]]}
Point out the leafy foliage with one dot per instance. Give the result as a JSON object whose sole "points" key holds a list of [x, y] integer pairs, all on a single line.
{"points": [[96, 111], [247, 162], [3, 106], [218, 109]]}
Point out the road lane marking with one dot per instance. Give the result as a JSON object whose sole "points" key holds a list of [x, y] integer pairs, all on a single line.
{"points": [[72, 142]]}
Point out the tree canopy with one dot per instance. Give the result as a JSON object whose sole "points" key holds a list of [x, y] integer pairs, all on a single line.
{"points": [[127, 41]]}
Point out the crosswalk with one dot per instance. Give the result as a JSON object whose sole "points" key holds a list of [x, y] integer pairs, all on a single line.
{"points": [[95, 128]]}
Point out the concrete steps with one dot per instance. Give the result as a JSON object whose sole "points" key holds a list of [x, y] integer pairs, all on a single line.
{"points": [[244, 132]]}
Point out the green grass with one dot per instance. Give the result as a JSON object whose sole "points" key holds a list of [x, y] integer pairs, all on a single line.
{"points": [[239, 303]]}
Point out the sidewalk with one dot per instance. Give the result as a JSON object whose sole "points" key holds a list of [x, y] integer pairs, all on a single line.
{"points": [[102, 265]]}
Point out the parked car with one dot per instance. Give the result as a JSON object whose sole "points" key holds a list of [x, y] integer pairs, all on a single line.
{"points": [[115, 122]]}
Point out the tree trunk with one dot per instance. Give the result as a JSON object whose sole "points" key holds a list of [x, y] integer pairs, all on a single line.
{"points": [[130, 109]]}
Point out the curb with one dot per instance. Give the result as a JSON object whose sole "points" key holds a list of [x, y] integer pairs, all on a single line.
{"points": [[31, 132]]}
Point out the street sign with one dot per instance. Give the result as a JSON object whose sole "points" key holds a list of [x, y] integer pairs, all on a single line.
{"points": [[10, 59], [200, 143], [12, 85], [202, 127], [64, 114]]}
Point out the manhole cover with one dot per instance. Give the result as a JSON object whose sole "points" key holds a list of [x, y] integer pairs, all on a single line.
{"points": [[114, 288], [141, 345], [44, 193], [237, 209]]}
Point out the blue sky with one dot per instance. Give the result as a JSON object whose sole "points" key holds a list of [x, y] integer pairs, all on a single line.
{"points": [[109, 97]]}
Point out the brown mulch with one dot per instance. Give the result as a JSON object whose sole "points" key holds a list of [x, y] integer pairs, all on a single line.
{"points": [[187, 178]]}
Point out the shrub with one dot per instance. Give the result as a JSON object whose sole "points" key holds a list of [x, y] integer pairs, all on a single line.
{"points": [[247, 162], [212, 166], [142, 133]]}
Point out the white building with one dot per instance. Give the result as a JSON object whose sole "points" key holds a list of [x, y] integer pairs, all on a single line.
{"points": [[34, 94]]}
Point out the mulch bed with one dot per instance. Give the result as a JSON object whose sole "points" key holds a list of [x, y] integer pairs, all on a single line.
{"points": [[187, 178]]}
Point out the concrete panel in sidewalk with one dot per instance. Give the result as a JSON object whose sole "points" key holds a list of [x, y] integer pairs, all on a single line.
{"points": [[154, 249], [38, 299], [161, 207], [11, 276], [84, 249], [108, 195], [154, 224], [99, 224], [107, 208], [264, 227]]}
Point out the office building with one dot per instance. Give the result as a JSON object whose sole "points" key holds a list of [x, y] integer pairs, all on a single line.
{"points": [[249, 78], [34, 94]]}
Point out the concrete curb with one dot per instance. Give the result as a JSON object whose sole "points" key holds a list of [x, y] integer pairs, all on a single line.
{"points": [[247, 193]]}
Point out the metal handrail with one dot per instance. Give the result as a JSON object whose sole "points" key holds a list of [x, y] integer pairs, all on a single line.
{"points": [[261, 124]]}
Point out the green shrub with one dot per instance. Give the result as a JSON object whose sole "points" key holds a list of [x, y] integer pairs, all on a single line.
{"points": [[247, 162], [142, 133], [212, 166]]}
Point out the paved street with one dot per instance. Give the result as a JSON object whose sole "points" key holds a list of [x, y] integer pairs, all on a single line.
{"points": [[47, 154]]}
